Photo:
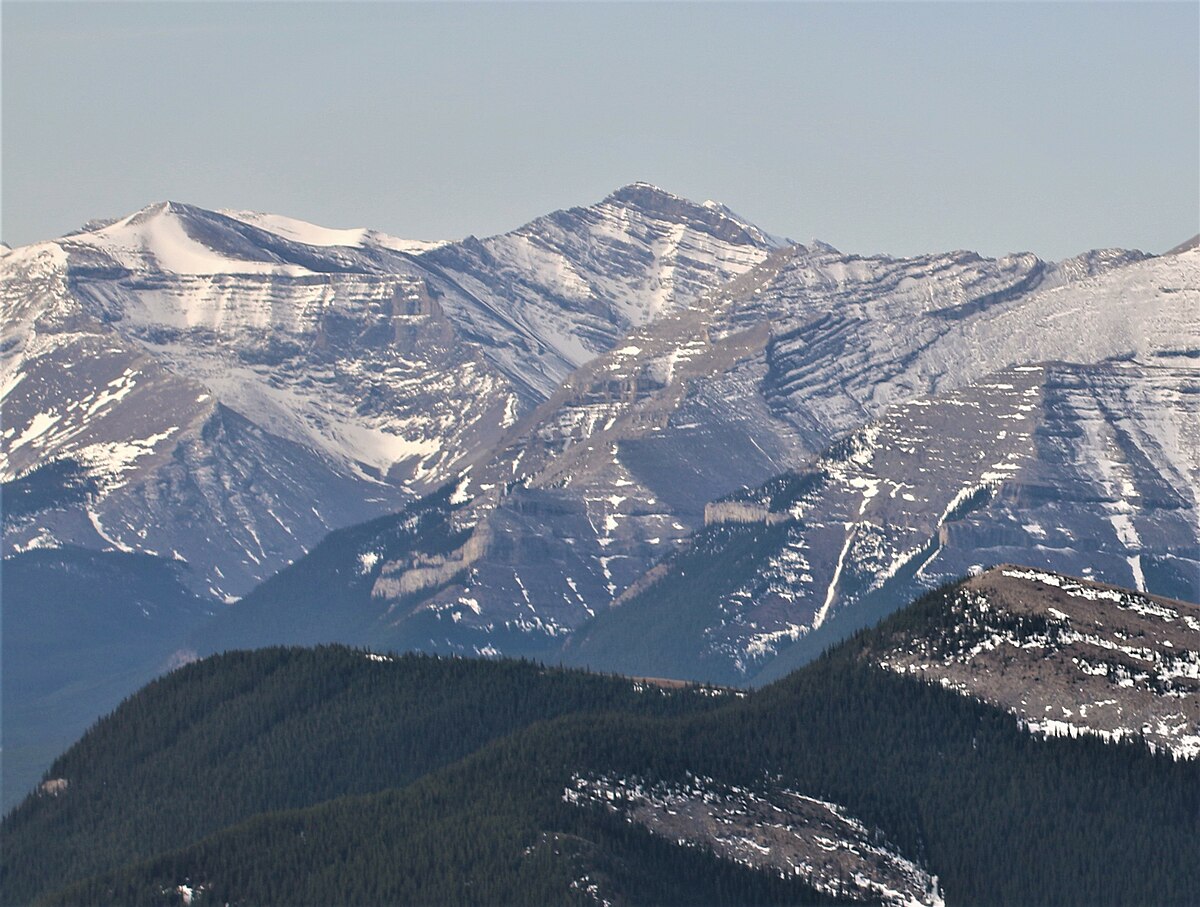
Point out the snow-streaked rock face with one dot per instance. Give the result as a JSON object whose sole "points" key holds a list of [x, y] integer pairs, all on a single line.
{"points": [[637, 255], [73, 386], [313, 378], [852, 336], [1061, 466], [341, 350], [769, 829], [614, 471], [1058, 466], [232, 395], [1107, 661], [237, 385]]}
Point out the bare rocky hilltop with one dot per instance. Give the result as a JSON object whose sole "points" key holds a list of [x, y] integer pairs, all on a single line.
{"points": [[1067, 656]]}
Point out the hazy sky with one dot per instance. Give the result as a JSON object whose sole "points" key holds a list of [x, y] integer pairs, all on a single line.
{"points": [[876, 127]]}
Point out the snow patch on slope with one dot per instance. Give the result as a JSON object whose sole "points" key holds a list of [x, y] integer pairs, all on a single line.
{"points": [[776, 830], [314, 235]]}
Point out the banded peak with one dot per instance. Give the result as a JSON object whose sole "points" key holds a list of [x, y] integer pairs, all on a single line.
{"points": [[710, 216]]}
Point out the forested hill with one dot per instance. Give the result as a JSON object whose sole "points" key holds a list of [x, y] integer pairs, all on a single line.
{"points": [[332, 776], [223, 739]]}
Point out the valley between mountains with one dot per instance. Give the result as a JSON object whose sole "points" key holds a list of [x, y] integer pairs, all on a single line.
{"points": [[644, 437]]}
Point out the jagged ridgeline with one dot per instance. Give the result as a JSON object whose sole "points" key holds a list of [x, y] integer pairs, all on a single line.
{"points": [[339, 776]]}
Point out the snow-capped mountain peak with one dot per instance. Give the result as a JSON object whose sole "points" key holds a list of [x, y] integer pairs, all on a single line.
{"points": [[709, 216], [310, 234], [363, 361], [571, 283], [178, 238]]}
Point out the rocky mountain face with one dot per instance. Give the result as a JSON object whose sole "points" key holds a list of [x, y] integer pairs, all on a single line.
{"points": [[612, 527], [570, 284], [1057, 466], [982, 445], [233, 386], [221, 390], [1066, 656], [232, 396]]}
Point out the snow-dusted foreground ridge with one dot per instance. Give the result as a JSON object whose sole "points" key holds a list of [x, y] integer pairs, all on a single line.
{"points": [[775, 830], [1068, 656]]}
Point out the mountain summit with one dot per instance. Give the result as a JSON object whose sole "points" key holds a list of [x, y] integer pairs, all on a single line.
{"points": [[567, 285], [344, 368], [710, 216]]}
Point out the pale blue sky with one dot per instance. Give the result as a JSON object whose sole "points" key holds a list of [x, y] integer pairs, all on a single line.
{"points": [[877, 127]]}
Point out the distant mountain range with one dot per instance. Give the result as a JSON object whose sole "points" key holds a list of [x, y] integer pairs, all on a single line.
{"points": [[234, 387], [644, 435]]}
